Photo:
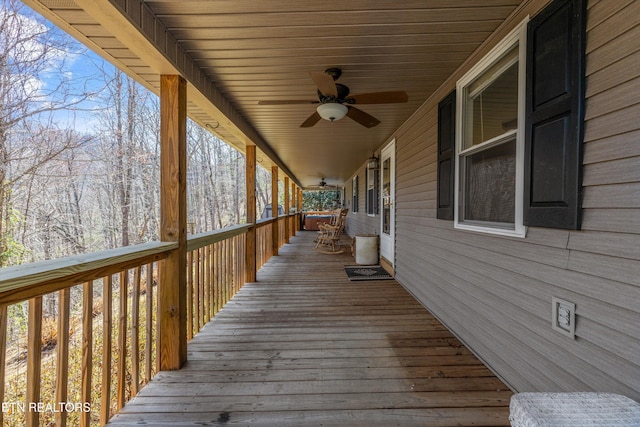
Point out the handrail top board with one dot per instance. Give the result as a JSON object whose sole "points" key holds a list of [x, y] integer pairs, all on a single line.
{"points": [[26, 281], [29, 280], [200, 240]]}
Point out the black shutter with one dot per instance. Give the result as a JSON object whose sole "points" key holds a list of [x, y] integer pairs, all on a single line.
{"points": [[446, 155], [355, 204], [555, 116]]}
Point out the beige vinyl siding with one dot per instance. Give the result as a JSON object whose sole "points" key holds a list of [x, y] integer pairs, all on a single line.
{"points": [[495, 292], [360, 222]]}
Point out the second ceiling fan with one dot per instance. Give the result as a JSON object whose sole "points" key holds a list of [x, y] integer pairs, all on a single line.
{"points": [[335, 102]]}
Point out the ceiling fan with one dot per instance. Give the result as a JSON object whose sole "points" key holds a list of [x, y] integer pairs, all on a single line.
{"points": [[335, 102], [322, 185]]}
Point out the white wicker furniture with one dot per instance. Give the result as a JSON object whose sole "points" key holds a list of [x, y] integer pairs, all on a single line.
{"points": [[573, 410]]}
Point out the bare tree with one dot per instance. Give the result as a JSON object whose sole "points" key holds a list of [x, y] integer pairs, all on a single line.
{"points": [[30, 50], [129, 134]]}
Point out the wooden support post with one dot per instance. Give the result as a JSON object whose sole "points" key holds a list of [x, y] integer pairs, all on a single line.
{"points": [[172, 298], [293, 205], [300, 207], [275, 232], [250, 249], [299, 199], [287, 227]]}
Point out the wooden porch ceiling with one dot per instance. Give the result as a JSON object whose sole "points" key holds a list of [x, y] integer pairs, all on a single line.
{"points": [[265, 50], [304, 346]]}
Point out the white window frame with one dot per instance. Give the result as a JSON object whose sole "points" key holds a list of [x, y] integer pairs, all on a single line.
{"points": [[518, 35]]}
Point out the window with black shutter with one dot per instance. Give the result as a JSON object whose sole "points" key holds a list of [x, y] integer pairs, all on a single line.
{"points": [[510, 136]]}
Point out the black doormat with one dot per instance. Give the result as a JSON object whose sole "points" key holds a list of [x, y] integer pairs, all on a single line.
{"points": [[366, 272]]}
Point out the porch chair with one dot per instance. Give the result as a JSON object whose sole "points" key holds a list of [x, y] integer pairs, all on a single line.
{"points": [[335, 215], [328, 240]]}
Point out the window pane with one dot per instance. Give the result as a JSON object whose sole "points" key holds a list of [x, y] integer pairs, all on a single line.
{"points": [[372, 190], [386, 196], [490, 186], [492, 101], [354, 195]]}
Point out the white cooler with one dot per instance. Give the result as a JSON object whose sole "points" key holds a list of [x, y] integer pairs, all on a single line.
{"points": [[366, 249]]}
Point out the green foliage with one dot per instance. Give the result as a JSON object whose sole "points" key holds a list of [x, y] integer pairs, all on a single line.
{"points": [[320, 200], [13, 252]]}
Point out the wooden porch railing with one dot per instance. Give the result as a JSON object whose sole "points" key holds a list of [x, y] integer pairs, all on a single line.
{"points": [[215, 272], [264, 245], [106, 345], [94, 372], [264, 235]]}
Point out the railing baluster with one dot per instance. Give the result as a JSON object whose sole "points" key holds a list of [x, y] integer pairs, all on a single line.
{"points": [[200, 280], [237, 252], [87, 351], [149, 325], [228, 270], [190, 295], [3, 354], [219, 270], [222, 297], [223, 274], [243, 266], [213, 267], [122, 341], [157, 325], [205, 281], [135, 332], [107, 319], [34, 358], [62, 362], [217, 284], [224, 283]]}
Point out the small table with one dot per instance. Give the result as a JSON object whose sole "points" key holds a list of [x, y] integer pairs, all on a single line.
{"points": [[573, 409]]}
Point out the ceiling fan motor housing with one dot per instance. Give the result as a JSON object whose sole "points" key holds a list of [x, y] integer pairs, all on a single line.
{"points": [[343, 92]]}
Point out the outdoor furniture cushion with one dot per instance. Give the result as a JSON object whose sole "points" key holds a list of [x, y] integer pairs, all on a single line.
{"points": [[573, 410]]}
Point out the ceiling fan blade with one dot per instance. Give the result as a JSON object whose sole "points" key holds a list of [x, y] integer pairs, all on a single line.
{"points": [[361, 117], [324, 82], [287, 102], [312, 120], [394, 97]]}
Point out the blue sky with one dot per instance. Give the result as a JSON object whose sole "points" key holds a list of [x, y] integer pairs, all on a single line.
{"points": [[77, 65]]}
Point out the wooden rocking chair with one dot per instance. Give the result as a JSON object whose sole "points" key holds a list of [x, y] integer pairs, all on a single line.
{"points": [[328, 241]]}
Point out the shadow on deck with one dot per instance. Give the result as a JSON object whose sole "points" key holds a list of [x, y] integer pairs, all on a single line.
{"points": [[306, 347]]}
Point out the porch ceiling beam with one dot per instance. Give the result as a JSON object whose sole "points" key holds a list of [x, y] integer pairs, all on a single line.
{"points": [[135, 26]]}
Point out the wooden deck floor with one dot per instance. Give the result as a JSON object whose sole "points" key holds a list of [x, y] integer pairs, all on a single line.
{"points": [[306, 347]]}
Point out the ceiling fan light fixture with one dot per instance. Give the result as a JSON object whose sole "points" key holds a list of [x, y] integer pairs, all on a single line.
{"points": [[332, 111]]}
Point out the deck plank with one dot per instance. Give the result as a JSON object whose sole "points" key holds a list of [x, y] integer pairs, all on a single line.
{"points": [[304, 346]]}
